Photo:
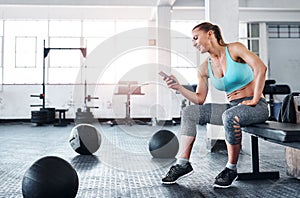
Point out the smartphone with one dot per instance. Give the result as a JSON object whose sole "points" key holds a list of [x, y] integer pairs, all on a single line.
{"points": [[163, 74]]}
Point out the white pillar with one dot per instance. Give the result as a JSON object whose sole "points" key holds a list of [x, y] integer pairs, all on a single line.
{"points": [[263, 43], [226, 16], [163, 20]]}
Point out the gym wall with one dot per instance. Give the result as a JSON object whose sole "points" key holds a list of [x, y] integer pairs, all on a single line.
{"points": [[285, 61]]}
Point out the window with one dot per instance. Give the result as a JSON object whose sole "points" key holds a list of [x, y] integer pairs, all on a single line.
{"points": [[1, 62], [25, 55], [1, 47], [294, 31], [22, 48], [122, 26], [284, 31], [186, 58], [243, 34], [253, 37], [1, 51], [65, 57], [98, 28], [253, 30], [23, 44], [95, 32], [64, 28]]}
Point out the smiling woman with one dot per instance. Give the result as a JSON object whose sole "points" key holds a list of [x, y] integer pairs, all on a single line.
{"points": [[241, 74]]}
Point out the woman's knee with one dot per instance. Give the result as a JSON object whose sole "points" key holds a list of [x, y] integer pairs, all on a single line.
{"points": [[233, 132], [189, 120], [191, 112]]}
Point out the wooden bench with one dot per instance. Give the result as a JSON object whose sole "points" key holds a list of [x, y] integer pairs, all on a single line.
{"points": [[287, 134]]}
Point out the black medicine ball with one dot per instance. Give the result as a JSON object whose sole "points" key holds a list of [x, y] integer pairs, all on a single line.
{"points": [[50, 177], [85, 139], [163, 144]]}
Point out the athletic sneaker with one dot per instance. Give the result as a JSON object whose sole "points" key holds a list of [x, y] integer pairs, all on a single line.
{"points": [[225, 178], [177, 172]]}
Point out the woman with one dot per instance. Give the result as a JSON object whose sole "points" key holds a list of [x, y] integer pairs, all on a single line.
{"points": [[241, 74]]}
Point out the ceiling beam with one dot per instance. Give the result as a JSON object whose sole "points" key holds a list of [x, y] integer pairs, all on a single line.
{"points": [[134, 3], [165, 2]]}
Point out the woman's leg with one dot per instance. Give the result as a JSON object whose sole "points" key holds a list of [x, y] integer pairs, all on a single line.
{"points": [[239, 116], [234, 149], [191, 116], [233, 152], [186, 145], [234, 118]]}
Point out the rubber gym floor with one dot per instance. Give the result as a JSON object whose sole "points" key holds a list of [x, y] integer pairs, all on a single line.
{"points": [[123, 166]]}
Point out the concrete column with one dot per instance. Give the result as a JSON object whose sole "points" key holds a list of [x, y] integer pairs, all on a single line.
{"points": [[226, 16], [163, 20], [263, 43], [163, 39]]}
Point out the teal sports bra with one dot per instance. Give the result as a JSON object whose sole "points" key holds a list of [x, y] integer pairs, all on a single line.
{"points": [[237, 75]]}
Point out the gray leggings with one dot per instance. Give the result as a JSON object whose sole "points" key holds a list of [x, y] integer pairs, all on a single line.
{"points": [[232, 116]]}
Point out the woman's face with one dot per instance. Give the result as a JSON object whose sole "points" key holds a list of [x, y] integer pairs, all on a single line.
{"points": [[200, 40]]}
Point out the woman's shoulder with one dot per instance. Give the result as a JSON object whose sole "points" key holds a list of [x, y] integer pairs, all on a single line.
{"points": [[235, 46], [203, 67], [236, 50]]}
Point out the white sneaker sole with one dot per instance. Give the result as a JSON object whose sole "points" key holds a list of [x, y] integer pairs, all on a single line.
{"points": [[179, 178], [218, 186]]}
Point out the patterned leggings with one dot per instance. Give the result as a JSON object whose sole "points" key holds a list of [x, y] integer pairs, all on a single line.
{"points": [[232, 116]]}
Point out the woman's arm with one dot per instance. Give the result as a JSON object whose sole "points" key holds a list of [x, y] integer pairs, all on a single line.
{"points": [[238, 50], [199, 96]]}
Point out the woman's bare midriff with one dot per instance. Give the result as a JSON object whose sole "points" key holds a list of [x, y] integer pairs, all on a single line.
{"points": [[246, 91]]}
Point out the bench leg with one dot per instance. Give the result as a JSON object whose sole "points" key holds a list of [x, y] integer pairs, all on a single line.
{"points": [[61, 119], [256, 174]]}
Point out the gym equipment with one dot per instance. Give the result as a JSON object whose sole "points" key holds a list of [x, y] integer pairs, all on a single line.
{"points": [[50, 177], [43, 116], [163, 144], [39, 117], [85, 139], [51, 114], [61, 118], [286, 134], [85, 115], [272, 89], [129, 88]]}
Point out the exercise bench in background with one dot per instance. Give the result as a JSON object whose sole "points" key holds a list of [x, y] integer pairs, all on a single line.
{"points": [[61, 118], [271, 89]]}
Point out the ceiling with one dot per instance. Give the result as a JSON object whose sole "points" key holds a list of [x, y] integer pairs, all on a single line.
{"points": [[152, 3], [143, 9]]}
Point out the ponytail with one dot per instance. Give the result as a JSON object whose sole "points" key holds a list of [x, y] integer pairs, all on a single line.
{"points": [[206, 26]]}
